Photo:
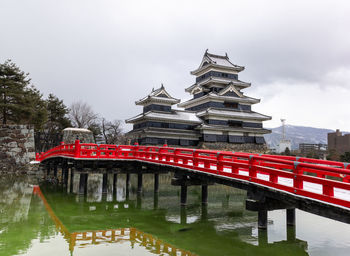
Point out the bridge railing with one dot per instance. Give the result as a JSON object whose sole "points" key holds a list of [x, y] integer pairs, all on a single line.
{"points": [[318, 179]]}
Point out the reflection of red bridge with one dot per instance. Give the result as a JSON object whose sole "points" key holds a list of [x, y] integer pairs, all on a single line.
{"points": [[132, 235], [317, 180]]}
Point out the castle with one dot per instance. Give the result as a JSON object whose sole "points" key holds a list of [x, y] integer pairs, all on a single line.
{"points": [[218, 112]]}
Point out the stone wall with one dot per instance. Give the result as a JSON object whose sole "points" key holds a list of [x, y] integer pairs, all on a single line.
{"points": [[246, 147], [17, 147]]}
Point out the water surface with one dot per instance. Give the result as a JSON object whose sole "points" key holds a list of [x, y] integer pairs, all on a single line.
{"points": [[51, 221]]}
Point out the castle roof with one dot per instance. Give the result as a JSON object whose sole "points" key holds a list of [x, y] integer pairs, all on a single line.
{"points": [[218, 80], [233, 114], [159, 95], [215, 60], [178, 116], [215, 96]]}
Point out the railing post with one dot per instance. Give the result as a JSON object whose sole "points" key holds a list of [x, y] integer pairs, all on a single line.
{"points": [[77, 148], [252, 168], [328, 190], [298, 182], [195, 160], [136, 150], [176, 158], [219, 165]]}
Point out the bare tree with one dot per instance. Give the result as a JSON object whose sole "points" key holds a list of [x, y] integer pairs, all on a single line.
{"points": [[112, 131], [82, 115]]}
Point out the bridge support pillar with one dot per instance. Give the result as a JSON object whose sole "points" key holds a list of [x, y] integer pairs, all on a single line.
{"points": [[156, 182], [139, 183], [55, 171], [83, 183], [183, 194], [115, 180], [104, 183], [262, 219], [65, 180], [204, 194], [127, 183], [71, 180], [48, 169], [155, 201], [138, 201], [290, 217]]}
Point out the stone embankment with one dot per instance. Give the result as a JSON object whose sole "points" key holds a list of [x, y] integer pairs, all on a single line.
{"points": [[248, 147], [17, 148]]}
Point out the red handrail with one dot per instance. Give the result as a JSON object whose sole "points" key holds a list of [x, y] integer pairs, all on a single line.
{"points": [[329, 179]]}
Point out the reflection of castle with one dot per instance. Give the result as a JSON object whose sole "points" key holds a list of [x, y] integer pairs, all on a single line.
{"points": [[218, 111], [95, 237], [129, 218]]}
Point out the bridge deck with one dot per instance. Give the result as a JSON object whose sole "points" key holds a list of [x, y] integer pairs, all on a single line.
{"points": [[324, 181]]}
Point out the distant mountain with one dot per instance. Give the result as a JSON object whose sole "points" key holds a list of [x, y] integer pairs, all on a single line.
{"points": [[297, 134]]}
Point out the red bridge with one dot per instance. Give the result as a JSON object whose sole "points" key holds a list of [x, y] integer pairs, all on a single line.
{"points": [[272, 181]]}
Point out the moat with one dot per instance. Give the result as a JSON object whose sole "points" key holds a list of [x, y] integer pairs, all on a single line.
{"points": [[50, 220]]}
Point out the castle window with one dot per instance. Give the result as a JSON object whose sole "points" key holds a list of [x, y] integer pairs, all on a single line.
{"points": [[231, 104], [234, 123]]}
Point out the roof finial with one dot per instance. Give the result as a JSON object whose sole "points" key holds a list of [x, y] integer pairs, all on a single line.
{"points": [[226, 54], [162, 87], [206, 51], [153, 89]]}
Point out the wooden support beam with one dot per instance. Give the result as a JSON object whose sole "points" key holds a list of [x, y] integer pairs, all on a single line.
{"points": [[183, 194], [262, 219], [290, 215], [204, 194], [139, 183], [156, 182]]}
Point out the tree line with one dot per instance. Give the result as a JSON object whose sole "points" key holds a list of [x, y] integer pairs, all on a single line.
{"points": [[22, 103]]}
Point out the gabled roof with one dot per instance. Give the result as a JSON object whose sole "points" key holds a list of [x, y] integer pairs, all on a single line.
{"points": [[159, 95], [218, 80], [221, 98], [178, 116], [230, 88], [234, 114], [217, 61]]}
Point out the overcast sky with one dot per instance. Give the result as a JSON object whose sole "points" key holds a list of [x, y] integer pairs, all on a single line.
{"points": [[112, 53]]}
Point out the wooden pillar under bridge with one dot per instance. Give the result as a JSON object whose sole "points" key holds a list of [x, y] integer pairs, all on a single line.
{"points": [[204, 194], [71, 180], [290, 215], [83, 183], [290, 219], [139, 183], [55, 170], [156, 182], [115, 180], [48, 169], [127, 184], [64, 173], [104, 183], [155, 200], [262, 219], [183, 194], [65, 180]]}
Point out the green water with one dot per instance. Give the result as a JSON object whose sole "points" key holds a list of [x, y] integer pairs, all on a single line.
{"points": [[56, 222]]}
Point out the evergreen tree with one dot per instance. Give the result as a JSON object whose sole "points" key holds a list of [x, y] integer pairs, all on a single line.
{"points": [[14, 83], [57, 114]]}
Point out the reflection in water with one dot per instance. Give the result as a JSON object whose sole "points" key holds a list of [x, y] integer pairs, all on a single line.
{"points": [[148, 223]]}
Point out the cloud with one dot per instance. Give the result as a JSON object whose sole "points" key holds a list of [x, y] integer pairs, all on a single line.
{"points": [[111, 53]]}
